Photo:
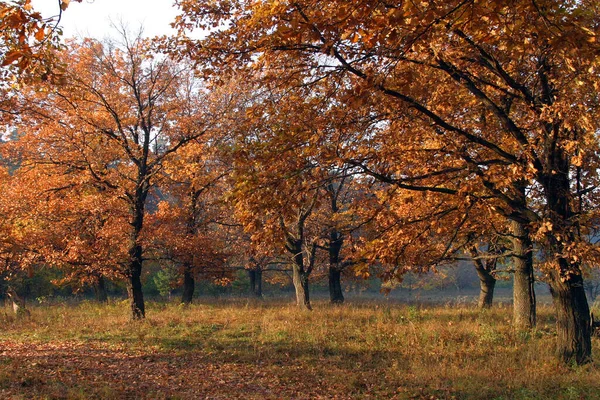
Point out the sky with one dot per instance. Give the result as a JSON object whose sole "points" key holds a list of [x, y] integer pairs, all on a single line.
{"points": [[92, 18]]}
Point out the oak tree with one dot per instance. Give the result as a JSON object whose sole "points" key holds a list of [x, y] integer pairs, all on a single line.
{"points": [[511, 84]]}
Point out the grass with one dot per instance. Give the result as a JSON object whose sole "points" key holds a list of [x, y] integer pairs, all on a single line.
{"points": [[238, 349]]}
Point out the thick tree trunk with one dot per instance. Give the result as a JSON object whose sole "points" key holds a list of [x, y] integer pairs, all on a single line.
{"points": [[573, 324], [566, 282], [487, 283], [524, 302], [300, 279], [336, 294], [100, 289], [255, 282], [188, 286]]}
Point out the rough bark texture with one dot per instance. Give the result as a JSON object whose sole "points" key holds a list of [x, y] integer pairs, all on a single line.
{"points": [[487, 281], [188, 286], [100, 289], [303, 256], [255, 276], [524, 302], [134, 289], [573, 324], [300, 279]]}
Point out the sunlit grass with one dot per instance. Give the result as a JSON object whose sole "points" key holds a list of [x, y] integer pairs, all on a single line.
{"points": [[370, 349]]}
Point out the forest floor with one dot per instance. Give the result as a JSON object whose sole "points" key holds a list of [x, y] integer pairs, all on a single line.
{"points": [[271, 350]]}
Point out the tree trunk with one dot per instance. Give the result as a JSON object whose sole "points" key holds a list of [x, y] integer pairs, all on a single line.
{"points": [[300, 279], [258, 284], [255, 282], [487, 283], [336, 240], [566, 282], [100, 289], [188, 286], [18, 303], [336, 294], [134, 289], [573, 324], [524, 302], [295, 244]]}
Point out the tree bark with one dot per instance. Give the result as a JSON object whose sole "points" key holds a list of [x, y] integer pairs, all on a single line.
{"points": [[300, 279], [255, 282], [134, 289], [336, 240], [524, 301], [487, 281], [573, 324], [303, 257], [188, 286], [487, 284], [18, 303], [336, 295], [100, 289]]}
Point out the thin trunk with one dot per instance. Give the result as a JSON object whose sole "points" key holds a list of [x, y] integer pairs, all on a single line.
{"points": [[18, 303], [303, 258], [524, 302], [300, 274], [188, 286], [336, 241], [100, 289], [300, 279], [134, 288]]}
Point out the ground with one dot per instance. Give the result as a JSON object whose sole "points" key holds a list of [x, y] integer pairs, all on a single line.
{"points": [[270, 350]]}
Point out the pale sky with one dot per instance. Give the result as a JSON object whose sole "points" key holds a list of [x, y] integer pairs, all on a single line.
{"points": [[91, 18]]}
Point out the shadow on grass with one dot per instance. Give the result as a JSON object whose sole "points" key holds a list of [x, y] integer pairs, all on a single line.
{"points": [[177, 356], [89, 370], [205, 367]]}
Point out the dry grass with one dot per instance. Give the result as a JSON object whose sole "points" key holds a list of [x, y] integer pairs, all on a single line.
{"points": [[272, 350]]}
